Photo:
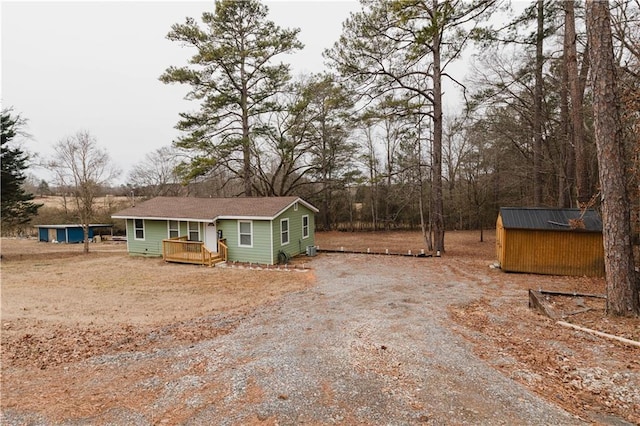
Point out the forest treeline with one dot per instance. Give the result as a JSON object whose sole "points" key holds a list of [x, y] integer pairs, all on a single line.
{"points": [[551, 117], [368, 142]]}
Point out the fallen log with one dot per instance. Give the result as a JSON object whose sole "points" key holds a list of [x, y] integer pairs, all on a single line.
{"points": [[600, 333], [569, 293], [385, 253]]}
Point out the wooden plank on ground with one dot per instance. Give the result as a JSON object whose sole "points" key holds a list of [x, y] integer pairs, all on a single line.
{"points": [[536, 301]]}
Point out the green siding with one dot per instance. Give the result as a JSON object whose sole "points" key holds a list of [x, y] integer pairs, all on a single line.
{"points": [[154, 232], [297, 244], [261, 250]]}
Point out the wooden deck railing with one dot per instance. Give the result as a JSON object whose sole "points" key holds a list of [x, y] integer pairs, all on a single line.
{"points": [[223, 249], [178, 249]]}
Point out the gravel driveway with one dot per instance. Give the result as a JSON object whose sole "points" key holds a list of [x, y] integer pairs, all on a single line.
{"points": [[369, 344]]}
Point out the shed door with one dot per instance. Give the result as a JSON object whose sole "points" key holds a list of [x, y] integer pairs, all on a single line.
{"points": [[52, 235], [211, 237]]}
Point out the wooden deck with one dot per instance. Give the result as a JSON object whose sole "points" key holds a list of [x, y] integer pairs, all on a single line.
{"points": [[180, 250]]}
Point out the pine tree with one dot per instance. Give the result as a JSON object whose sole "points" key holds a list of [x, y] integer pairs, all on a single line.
{"points": [[622, 281], [234, 79], [16, 204]]}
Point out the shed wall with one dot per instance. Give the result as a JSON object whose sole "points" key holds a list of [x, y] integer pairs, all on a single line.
{"points": [[61, 235], [500, 235], [552, 252], [65, 234], [74, 235]]}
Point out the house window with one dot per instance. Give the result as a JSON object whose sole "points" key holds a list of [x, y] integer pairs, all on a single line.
{"points": [[305, 226], [138, 229], [174, 228], [295, 206], [194, 231], [284, 231], [245, 234]]}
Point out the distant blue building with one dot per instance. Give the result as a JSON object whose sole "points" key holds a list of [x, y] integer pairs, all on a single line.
{"points": [[67, 233]]}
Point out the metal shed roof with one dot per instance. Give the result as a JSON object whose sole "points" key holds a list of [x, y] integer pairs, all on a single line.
{"points": [[75, 225], [539, 218]]}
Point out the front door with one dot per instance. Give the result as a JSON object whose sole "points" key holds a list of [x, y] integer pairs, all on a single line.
{"points": [[211, 237]]}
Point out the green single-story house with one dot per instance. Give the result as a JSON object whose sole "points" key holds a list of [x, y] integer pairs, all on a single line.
{"points": [[247, 229]]}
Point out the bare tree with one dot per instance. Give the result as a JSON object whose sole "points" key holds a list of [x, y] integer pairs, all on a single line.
{"points": [[622, 283], [81, 165], [407, 45], [156, 175]]}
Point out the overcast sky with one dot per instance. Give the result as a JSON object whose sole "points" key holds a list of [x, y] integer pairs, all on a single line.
{"points": [[71, 66], [94, 66]]}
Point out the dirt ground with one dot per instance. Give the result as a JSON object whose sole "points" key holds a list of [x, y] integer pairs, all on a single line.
{"points": [[61, 308]]}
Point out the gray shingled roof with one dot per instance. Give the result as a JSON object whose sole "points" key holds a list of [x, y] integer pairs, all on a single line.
{"points": [[209, 208], [548, 219]]}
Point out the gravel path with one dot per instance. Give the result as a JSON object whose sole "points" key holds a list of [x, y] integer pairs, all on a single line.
{"points": [[369, 344]]}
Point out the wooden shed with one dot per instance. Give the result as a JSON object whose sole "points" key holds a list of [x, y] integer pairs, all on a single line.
{"points": [[550, 241]]}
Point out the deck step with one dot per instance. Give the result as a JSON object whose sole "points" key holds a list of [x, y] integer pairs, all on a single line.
{"points": [[215, 260]]}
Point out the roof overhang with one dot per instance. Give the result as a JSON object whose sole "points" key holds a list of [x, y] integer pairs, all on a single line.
{"points": [[223, 217], [179, 219]]}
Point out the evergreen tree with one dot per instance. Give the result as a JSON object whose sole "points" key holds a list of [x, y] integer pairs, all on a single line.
{"points": [[17, 207], [234, 79], [622, 281], [327, 107]]}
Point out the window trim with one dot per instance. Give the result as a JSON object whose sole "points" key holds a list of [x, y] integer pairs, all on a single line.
{"points": [[189, 230], [305, 228], [135, 230], [169, 228], [240, 234], [283, 232]]}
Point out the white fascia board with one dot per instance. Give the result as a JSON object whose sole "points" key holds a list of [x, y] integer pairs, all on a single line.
{"points": [[244, 218], [299, 201], [179, 219], [307, 205]]}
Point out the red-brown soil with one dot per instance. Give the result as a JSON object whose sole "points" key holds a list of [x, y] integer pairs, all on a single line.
{"points": [[60, 307]]}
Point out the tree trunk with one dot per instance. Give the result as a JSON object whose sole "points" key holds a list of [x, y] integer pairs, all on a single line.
{"points": [[566, 184], [537, 113], [438, 214], [577, 119], [85, 232], [622, 283], [246, 141]]}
